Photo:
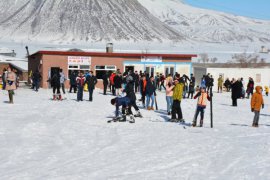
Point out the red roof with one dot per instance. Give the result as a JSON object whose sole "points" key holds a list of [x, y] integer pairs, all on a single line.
{"points": [[101, 54]]}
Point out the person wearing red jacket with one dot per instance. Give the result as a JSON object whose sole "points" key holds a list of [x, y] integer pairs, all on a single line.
{"points": [[80, 84], [112, 83], [202, 96]]}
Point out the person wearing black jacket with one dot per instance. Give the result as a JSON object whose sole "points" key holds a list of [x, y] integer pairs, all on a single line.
{"points": [[250, 87], [136, 81], [55, 83], [91, 81], [129, 90], [36, 79], [105, 78], [150, 93], [118, 83], [72, 81], [236, 91]]}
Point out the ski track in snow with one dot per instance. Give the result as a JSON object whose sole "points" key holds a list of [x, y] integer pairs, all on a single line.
{"points": [[43, 139]]}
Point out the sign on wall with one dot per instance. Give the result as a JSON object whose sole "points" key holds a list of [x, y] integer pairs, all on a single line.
{"points": [[151, 59], [79, 60]]}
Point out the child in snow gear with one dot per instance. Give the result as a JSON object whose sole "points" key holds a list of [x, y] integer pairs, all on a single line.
{"points": [[256, 104], [80, 84], [177, 97], [125, 103], [91, 81], [201, 105]]}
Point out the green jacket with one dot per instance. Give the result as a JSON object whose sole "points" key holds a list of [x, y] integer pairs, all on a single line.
{"points": [[220, 81], [178, 92]]}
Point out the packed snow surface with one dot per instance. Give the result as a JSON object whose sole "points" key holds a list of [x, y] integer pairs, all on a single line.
{"points": [[47, 140]]}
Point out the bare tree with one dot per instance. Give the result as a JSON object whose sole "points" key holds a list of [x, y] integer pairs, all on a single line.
{"points": [[245, 59], [204, 58], [214, 60]]}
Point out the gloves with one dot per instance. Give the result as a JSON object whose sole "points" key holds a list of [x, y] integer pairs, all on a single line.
{"points": [[252, 110], [262, 106]]}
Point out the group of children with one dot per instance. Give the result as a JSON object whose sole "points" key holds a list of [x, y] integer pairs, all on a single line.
{"points": [[174, 95]]}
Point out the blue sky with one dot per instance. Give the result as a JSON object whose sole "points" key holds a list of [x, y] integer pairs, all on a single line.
{"points": [[259, 9]]}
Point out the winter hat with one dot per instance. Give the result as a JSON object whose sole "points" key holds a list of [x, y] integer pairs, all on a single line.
{"points": [[113, 101]]}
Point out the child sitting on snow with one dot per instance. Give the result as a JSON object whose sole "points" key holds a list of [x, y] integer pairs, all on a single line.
{"points": [[202, 96], [125, 103], [256, 104]]}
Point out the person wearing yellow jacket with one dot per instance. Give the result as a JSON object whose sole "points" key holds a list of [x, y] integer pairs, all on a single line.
{"points": [[256, 104], [177, 97], [266, 88]]}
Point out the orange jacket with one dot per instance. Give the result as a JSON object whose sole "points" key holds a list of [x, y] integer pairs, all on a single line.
{"points": [[202, 99], [257, 99]]}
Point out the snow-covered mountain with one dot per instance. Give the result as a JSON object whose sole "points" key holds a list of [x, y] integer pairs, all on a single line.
{"points": [[84, 21], [207, 25], [81, 21]]}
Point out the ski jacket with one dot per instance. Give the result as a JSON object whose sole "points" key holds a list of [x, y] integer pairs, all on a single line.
{"points": [[117, 82], [36, 76], [62, 78], [91, 81], [73, 79], [202, 99], [112, 78], [143, 84], [11, 81], [257, 99], [80, 81], [266, 89], [220, 81], [178, 91], [150, 88], [55, 80], [129, 90], [121, 101], [105, 79]]}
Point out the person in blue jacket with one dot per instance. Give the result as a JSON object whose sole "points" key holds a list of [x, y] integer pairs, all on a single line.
{"points": [[125, 103]]}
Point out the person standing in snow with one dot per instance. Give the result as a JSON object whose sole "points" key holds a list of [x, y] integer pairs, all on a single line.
{"points": [[250, 87], [62, 81], [4, 76], [72, 82], [80, 84], [236, 91], [118, 83], [105, 83], [136, 81], [266, 88], [177, 97], [201, 105], [256, 104], [10, 84], [143, 83], [150, 93], [169, 98], [36, 79], [220, 83], [55, 83], [91, 81], [112, 86]]}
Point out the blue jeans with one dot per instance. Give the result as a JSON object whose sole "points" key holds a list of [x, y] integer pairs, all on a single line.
{"points": [[148, 100], [199, 110], [169, 101]]}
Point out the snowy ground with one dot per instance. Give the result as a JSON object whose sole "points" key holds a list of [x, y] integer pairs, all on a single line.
{"points": [[46, 140]]}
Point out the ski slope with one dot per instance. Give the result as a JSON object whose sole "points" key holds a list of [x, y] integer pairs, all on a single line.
{"points": [[46, 140]]}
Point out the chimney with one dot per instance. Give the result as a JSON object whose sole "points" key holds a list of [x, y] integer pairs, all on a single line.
{"points": [[109, 48]]}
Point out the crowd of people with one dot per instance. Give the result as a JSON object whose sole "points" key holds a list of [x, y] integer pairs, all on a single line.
{"points": [[124, 87]]}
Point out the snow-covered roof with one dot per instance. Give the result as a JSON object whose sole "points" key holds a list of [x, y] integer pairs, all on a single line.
{"points": [[19, 63]]}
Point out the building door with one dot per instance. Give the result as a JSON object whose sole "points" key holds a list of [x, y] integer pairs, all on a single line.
{"points": [[169, 70], [150, 70], [129, 68]]}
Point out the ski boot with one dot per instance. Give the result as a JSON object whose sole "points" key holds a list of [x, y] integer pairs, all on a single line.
{"points": [[54, 97], [194, 123], [123, 119], [132, 119], [138, 114]]}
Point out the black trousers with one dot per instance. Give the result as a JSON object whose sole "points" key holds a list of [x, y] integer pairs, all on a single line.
{"points": [[105, 86], [191, 94], [176, 109], [57, 89], [132, 104], [73, 87], [136, 87], [234, 101]]}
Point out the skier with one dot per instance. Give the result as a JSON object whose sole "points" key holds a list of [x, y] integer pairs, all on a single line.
{"points": [[177, 97], [125, 103], [10, 84], [91, 81], [256, 104], [201, 105], [80, 84], [129, 90], [55, 83]]}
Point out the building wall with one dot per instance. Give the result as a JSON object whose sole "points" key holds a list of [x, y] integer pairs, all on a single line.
{"points": [[260, 76], [61, 61]]}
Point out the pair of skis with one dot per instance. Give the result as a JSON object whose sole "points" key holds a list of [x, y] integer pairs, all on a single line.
{"points": [[131, 119]]}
